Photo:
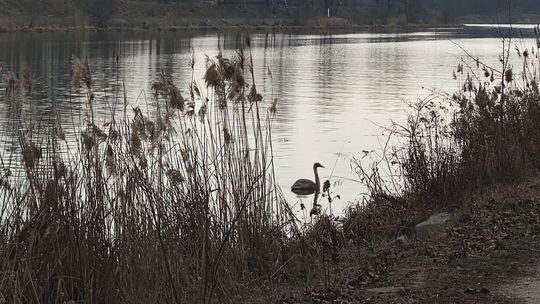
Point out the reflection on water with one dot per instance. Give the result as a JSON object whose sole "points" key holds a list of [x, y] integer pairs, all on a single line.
{"points": [[333, 90]]}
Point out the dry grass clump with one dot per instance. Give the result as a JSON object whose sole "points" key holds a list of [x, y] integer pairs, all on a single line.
{"points": [[81, 73], [487, 132], [430, 160], [177, 206], [379, 220]]}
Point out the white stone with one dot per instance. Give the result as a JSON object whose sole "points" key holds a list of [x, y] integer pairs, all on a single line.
{"points": [[433, 228]]}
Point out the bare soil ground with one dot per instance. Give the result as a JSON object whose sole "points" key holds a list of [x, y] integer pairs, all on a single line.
{"points": [[491, 255], [526, 288]]}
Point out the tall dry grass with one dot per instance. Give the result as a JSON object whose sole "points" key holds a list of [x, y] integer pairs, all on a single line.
{"points": [[177, 206], [487, 132]]}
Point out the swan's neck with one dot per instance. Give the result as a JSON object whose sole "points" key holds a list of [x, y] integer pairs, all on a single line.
{"points": [[317, 180]]}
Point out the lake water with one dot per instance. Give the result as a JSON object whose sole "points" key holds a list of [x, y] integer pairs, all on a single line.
{"points": [[334, 90]]}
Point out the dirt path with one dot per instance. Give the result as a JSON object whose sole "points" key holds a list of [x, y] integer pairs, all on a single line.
{"points": [[526, 288], [491, 255]]}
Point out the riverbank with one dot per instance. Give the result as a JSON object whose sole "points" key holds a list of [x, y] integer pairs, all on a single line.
{"points": [[337, 27], [332, 25], [487, 253]]}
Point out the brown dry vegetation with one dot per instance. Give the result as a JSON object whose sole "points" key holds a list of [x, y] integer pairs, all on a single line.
{"points": [[177, 207]]}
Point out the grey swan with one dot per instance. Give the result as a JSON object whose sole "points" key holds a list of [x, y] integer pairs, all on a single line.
{"points": [[305, 186]]}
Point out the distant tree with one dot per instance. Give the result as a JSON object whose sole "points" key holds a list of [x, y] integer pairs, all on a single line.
{"points": [[100, 11]]}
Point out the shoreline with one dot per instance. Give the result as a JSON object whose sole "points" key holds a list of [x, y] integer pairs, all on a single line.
{"points": [[284, 28], [228, 28]]}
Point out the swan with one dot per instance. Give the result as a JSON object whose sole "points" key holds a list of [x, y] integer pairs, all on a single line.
{"points": [[305, 186]]}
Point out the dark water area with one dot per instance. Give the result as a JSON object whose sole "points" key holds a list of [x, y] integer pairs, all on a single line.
{"points": [[334, 91]]}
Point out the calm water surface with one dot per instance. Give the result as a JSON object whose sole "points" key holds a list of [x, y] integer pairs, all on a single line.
{"points": [[333, 90]]}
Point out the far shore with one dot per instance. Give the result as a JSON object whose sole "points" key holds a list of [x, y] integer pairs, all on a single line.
{"points": [[225, 28], [310, 29]]}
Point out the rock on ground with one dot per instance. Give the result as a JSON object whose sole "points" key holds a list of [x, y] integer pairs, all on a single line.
{"points": [[433, 228]]}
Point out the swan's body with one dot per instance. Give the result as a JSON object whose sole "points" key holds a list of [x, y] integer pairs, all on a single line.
{"points": [[305, 186]]}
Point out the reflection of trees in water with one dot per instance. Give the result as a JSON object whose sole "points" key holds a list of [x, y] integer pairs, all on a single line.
{"points": [[232, 41], [275, 74], [388, 66], [338, 77], [327, 78], [387, 61]]}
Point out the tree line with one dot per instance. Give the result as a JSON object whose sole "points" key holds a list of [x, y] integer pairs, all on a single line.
{"points": [[102, 10], [467, 7]]}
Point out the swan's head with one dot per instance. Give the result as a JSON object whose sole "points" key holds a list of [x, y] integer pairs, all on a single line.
{"points": [[317, 165]]}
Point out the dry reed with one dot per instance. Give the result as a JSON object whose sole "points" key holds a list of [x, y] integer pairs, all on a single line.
{"points": [[179, 206]]}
